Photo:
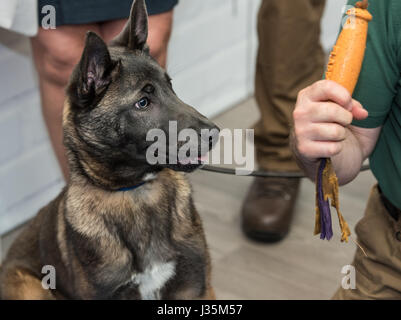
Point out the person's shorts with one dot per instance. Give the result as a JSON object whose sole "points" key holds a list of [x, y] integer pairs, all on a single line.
{"points": [[91, 11]]}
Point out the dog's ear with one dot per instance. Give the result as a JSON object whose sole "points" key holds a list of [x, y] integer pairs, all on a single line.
{"points": [[94, 69], [135, 32]]}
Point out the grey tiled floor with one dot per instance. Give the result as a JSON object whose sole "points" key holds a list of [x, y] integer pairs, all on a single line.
{"points": [[300, 267]]}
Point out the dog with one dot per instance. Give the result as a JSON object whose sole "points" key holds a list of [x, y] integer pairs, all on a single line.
{"points": [[121, 228]]}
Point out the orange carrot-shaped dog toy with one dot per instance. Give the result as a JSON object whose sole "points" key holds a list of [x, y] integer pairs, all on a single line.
{"points": [[344, 67]]}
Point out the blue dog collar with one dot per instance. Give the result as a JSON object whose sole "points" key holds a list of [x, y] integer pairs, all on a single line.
{"points": [[132, 188]]}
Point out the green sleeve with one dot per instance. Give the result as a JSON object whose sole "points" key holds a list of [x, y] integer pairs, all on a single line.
{"points": [[377, 85]]}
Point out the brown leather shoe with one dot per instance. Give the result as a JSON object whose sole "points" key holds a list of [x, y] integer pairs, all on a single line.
{"points": [[268, 208]]}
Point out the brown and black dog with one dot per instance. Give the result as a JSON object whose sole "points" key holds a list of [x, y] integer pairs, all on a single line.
{"points": [[121, 228]]}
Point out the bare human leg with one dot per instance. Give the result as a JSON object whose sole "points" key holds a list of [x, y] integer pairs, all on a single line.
{"points": [[55, 53]]}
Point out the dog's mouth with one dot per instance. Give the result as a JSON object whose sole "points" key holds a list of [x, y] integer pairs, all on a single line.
{"points": [[199, 160], [180, 160], [189, 164]]}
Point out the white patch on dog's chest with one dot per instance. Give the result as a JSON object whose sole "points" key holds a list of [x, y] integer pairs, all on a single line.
{"points": [[153, 279]]}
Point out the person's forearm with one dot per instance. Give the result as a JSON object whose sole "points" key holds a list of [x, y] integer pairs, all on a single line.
{"points": [[346, 164]]}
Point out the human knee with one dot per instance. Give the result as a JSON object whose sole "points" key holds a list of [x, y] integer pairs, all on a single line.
{"points": [[55, 65]]}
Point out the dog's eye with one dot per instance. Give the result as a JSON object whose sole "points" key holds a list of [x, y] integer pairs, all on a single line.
{"points": [[142, 104]]}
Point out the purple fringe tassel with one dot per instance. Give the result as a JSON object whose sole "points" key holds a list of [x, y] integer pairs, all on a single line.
{"points": [[326, 231]]}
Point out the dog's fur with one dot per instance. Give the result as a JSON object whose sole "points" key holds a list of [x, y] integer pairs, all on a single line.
{"points": [[145, 243]]}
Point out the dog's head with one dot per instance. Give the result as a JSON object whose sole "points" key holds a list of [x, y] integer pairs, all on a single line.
{"points": [[116, 95]]}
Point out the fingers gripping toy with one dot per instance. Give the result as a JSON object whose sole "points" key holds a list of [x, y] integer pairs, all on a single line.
{"points": [[344, 67]]}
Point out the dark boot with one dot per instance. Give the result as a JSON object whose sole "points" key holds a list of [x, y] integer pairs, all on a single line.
{"points": [[268, 208]]}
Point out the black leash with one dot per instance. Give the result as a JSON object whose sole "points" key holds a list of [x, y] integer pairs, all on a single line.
{"points": [[264, 174]]}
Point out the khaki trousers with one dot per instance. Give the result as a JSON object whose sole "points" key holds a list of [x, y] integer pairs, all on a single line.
{"points": [[378, 276], [290, 58]]}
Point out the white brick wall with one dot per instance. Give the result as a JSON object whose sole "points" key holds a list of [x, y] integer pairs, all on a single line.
{"points": [[212, 55]]}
